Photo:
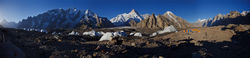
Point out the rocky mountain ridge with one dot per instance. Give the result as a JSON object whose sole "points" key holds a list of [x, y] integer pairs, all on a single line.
{"points": [[161, 21], [234, 17], [67, 19]]}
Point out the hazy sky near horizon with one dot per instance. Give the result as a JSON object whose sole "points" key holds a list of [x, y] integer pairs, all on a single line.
{"points": [[191, 10]]}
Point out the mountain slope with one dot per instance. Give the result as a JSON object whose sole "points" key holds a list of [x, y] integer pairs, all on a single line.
{"points": [[200, 22], [7, 24], [60, 18], [125, 18], [161, 21], [233, 17], [94, 21]]}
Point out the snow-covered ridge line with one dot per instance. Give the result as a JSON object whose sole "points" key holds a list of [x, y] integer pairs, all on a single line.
{"points": [[125, 18], [169, 12]]}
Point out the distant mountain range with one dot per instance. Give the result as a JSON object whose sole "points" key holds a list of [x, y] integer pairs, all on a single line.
{"points": [[67, 19], [234, 17], [134, 19], [6, 24], [75, 18]]}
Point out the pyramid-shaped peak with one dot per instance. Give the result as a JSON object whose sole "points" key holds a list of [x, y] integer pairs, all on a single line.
{"points": [[133, 12]]}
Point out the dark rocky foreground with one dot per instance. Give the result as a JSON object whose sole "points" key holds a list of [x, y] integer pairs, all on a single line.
{"points": [[42, 45]]}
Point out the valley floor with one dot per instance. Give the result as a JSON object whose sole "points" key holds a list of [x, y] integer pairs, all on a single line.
{"points": [[231, 41]]}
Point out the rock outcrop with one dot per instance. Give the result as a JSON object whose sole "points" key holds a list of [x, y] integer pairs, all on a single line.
{"points": [[132, 23]]}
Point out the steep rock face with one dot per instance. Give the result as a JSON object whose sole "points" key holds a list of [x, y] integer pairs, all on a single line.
{"points": [[124, 19], [66, 19], [233, 17], [148, 22], [178, 22], [132, 23], [53, 19], [199, 23], [94, 22], [161, 21]]}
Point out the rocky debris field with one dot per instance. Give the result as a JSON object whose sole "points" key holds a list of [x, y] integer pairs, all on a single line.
{"points": [[231, 41]]}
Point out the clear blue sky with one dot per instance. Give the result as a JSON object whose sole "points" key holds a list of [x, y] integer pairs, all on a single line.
{"points": [[191, 10]]}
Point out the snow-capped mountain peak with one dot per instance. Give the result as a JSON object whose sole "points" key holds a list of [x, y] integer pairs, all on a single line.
{"points": [[125, 18], [171, 16], [89, 13], [133, 12], [169, 12]]}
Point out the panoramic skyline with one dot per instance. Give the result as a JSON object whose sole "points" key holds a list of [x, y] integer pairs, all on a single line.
{"points": [[190, 10]]}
